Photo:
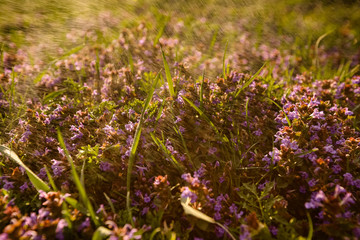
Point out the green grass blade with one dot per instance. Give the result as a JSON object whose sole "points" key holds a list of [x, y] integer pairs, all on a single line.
{"points": [[213, 41], [311, 228], [161, 30], [201, 91], [156, 230], [287, 119], [206, 119], [51, 180], [196, 213], [317, 62], [77, 181], [250, 80], [101, 233], [35, 180], [110, 203], [168, 75], [53, 95], [134, 147], [224, 67]]}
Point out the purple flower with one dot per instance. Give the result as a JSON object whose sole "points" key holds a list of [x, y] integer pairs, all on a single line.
{"points": [[84, 224], [212, 150], [109, 130], [217, 216], [8, 185], [233, 208], [329, 148], [336, 168], [25, 135], [348, 178], [24, 187], [187, 193], [145, 211], [57, 169], [130, 126], [178, 119], [147, 198], [182, 129], [312, 182], [273, 230], [105, 166], [60, 228], [318, 115], [258, 132]]}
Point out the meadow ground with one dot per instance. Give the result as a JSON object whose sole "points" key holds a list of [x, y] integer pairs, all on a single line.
{"points": [[180, 119]]}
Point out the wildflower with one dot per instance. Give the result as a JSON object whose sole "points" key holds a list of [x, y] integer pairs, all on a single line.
{"points": [[258, 132], [60, 229], [145, 211], [105, 166], [348, 178], [312, 182], [318, 115], [109, 130], [212, 150], [57, 169], [25, 136], [182, 129], [130, 127], [84, 224], [217, 216], [329, 148], [233, 208], [24, 187], [147, 199], [187, 193], [8, 185]]}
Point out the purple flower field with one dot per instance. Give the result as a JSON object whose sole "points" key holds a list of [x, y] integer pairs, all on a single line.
{"points": [[148, 135]]}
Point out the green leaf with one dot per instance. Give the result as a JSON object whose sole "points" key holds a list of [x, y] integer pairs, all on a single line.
{"points": [[134, 146], [249, 81], [206, 119], [267, 189], [311, 228], [156, 230], [287, 119], [196, 213], [53, 95], [224, 67], [251, 187], [101, 233], [35, 180], [168, 75], [51, 180], [77, 181]]}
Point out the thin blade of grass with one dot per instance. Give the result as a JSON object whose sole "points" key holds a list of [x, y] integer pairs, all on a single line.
{"points": [[110, 203], [311, 228], [134, 147], [101, 233], [287, 119], [161, 30], [206, 119], [51, 180], [34, 179], [77, 181], [250, 81], [168, 75], [196, 213], [317, 48], [224, 67], [201, 91]]}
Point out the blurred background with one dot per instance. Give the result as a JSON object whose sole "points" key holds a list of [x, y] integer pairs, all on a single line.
{"points": [[46, 29]]}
